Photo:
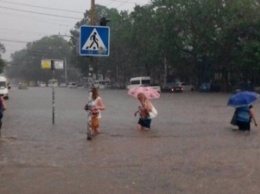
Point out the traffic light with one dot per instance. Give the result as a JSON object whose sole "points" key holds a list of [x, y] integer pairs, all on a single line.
{"points": [[103, 21]]}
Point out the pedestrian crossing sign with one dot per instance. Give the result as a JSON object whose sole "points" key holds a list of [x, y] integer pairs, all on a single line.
{"points": [[94, 41]]}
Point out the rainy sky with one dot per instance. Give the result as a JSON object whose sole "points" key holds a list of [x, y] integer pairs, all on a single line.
{"points": [[24, 21]]}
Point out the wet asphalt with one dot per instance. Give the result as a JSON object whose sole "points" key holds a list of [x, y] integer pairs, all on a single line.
{"points": [[190, 149]]}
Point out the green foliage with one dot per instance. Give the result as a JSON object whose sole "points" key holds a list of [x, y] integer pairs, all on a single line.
{"points": [[26, 64], [2, 62], [195, 39]]}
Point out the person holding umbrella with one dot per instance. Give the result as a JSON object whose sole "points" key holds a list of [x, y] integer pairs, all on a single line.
{"points": [[244, 111], [146, 109], [244, 115]]}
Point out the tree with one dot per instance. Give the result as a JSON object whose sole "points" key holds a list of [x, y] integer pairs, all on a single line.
{"points": [[26, 64], [195, 40], [2, 62]]}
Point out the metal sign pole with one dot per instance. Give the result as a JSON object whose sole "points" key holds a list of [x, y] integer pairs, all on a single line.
{"points": [[90, 80], [53, 92], [90, 87]]}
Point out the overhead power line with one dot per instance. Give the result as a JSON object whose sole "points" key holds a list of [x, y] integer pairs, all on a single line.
{"points": [[124, 1], [121, 3], [53, 15], [48, 8], [127, 1], [17, 41]]}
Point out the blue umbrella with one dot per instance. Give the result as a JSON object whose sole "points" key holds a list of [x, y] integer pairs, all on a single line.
{"points": [[244, 98]]}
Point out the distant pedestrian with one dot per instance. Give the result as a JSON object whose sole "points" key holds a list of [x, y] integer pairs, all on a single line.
{"points": [[2, 109], [146, 112], [243, 116], [95, 105]]}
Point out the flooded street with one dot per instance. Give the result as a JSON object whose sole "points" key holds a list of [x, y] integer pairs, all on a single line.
{"points": [[191, 148]]}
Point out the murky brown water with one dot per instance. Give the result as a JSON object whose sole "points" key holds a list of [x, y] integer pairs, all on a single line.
{"points": [[191, 147]]}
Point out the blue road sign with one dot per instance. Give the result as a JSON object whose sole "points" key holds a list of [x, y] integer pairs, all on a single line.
{"points": [[94, 41]]}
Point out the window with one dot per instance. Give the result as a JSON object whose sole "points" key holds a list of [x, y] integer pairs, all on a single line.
{"points": [[136, 82], [146, 82], [2, 84]]}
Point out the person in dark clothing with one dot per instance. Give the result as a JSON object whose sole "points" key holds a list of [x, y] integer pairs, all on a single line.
{"points": [[2, 109], [244, 115]]}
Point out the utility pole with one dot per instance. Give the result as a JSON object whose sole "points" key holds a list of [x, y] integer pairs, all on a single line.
{"points": [[90, 77], [92, 10]]}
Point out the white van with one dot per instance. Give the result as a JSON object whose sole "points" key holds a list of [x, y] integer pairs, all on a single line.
{"points": [[4, 88], [142, 81], [138, 81]]}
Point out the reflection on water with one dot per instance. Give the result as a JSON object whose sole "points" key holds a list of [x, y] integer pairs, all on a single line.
{"points": [[190, 148], [7, 139]]}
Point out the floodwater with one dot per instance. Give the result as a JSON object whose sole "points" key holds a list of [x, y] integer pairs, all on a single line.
{"points": [[191, 148]]}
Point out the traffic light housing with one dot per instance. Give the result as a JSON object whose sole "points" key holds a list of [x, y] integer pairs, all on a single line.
{"points": [[103, 21]]}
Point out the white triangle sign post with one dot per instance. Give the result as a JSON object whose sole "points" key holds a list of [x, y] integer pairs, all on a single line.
{"points": [[94, 41]]}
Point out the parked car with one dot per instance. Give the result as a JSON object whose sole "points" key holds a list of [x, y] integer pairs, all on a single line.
{"points": [[73, 85], [186, 86], [22, 86], [243, 87], [172, 87], [42, 84], [209, 87], [117, 86], [53, 83], [205, 87], [62, 85]]}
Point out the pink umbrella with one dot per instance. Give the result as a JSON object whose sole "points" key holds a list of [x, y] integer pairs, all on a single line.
{"points": [[149, 92]]}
